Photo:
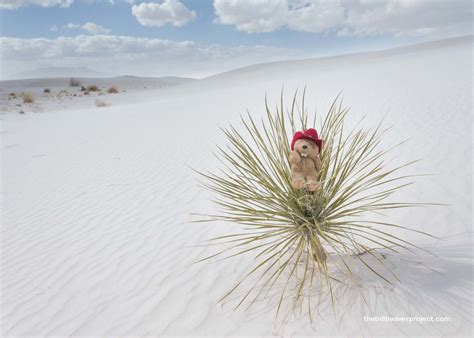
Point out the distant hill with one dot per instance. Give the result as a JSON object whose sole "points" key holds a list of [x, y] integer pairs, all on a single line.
{"points": [[54, 72], [121, 81]]}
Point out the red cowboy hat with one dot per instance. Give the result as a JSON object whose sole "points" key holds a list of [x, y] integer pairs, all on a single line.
{"points": [[309, 134]]}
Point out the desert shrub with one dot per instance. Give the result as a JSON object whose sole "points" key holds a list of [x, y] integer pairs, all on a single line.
{"points": [[47, 90], [92, 88], [112, 90], [74, 82], [28, 98], [62, 93], [289, 232], [99, 103]]}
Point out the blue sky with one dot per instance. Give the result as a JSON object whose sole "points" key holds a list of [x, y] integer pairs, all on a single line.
{"points": [[36, 21], [219, 34]]}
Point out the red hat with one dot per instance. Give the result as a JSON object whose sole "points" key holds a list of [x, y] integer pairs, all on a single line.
{"points": [[309, 134]]}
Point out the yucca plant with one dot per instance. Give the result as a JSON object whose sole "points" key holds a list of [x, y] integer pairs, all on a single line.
{"points": [[299, 240]]}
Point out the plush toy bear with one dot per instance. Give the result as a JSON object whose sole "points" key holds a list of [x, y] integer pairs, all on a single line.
{"points": [[304, 160]]}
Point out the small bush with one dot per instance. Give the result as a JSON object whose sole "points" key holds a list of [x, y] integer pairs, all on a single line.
{"points": [[99, 103], [291, 232], [12, 95], [28, 98], [74, 82], [112, 90], [92, 88], [47, 90]]}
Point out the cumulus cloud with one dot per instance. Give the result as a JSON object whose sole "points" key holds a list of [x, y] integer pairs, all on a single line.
{"points": [[159, 14], [71, 26], [349, 17], [130, 2], [132, 55], [315, 16], [89, 27], [408, 17], [96, 46], [14, 4], [94, 28], [252, 16]]}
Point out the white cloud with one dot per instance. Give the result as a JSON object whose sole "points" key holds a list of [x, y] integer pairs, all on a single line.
{"points": [[71, 26], [159, 14], [408, 17], [113, 2], [87, 46], [14, 4], [89, 27], [315, 16], [349, 17], [94, 28], [252, 16], [131, 55]]}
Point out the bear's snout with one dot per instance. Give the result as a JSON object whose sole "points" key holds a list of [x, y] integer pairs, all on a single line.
{"points": [[305, 146]]}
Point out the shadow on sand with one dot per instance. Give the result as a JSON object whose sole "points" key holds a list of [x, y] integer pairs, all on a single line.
{"points": [[428, 286]]}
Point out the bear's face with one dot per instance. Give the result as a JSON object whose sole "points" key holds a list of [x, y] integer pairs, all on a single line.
{"points": [[307, 148]]}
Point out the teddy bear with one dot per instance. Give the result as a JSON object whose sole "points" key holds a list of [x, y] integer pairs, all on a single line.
{"points": [[304, 160]]}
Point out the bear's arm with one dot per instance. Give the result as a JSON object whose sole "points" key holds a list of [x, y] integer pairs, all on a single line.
{"points": [[294, 157], [317, 163]]}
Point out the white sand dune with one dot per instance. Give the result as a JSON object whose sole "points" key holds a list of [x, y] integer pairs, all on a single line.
{"points": [[97, 239]]}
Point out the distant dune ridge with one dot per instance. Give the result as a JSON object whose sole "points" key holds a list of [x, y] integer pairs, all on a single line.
{"points": [[51, 72], [122, 80], [97, 233]]}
